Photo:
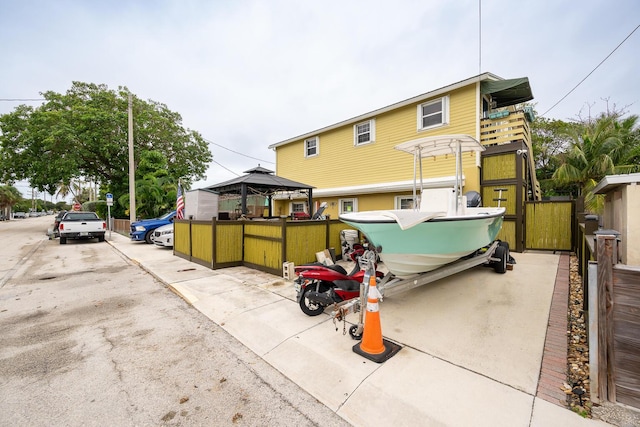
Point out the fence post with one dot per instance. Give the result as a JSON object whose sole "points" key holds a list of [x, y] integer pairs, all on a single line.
{"points": [[213, 242], [283, 231], [592, 313], [605, 249]]}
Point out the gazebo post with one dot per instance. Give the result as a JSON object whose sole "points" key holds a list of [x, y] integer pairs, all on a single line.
{"points": [[311, 203], [243, 196]]}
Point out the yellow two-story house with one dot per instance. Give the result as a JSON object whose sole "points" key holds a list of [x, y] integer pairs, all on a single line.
{"points": [[354, 167]]}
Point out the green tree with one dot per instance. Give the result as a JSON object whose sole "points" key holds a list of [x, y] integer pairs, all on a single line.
{"points": [[83, 134], [603, 146], [550, 138], [9, 197], [156, 189]]}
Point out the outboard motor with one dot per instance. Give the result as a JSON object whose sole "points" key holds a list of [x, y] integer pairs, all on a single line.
{"points": [[473, 199]]}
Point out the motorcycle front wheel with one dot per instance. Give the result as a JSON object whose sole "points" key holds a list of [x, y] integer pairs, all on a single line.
{"points": [[308, 307]]}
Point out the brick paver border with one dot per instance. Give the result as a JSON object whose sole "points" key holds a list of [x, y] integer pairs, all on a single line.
{"points": [[553, 372]]}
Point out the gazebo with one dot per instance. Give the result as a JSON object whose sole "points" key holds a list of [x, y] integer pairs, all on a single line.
{"points": [[262, 181]]}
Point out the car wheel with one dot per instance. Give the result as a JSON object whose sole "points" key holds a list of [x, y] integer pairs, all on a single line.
{"points": [[101, 238], [63, 240], [147, 237]]}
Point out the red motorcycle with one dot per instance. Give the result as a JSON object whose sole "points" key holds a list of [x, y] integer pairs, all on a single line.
{"points": [[319, 286]]}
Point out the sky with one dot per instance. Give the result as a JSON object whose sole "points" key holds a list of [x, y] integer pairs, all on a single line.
{"points": [[248, 73]]}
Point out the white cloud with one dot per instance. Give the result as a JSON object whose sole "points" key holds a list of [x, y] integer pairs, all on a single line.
{"points": [[247, 74]]}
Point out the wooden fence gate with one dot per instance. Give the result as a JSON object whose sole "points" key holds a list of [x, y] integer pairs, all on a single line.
{"points": [[550, 225]]}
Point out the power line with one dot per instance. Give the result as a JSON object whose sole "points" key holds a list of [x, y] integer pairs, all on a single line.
{"points": [[592, 71], [21, 99], [236, 152], [225, 168]]}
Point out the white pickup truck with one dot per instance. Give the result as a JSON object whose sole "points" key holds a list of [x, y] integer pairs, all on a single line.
{"points": [[81, 225]]}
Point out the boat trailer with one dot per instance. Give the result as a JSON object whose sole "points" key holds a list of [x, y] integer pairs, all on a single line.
{"points": [[496, 254]]}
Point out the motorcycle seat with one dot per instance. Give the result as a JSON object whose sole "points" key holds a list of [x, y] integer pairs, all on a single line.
{"points": [[348, 285], [337, 268]]}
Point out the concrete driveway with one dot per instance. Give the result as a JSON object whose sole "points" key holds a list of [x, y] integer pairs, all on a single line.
{"points": [[472, 344]]}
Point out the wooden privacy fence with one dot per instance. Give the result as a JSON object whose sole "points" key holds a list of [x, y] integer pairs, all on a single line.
{"points": [[614, 327], [121, 226], [263, 245], [549, 225]]}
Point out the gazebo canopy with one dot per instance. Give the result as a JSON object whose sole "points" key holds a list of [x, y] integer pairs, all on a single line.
{"points": [[262, 181]]}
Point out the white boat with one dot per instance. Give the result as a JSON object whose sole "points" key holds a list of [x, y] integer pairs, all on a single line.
{"points": [[442, 229]]}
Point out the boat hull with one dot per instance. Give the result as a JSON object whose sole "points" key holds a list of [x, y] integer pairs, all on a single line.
{"points": [[429, 244]]}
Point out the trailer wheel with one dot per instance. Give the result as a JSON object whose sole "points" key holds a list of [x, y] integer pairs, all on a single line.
{"points": [[502, 254], [353, 333], [508, 254]]}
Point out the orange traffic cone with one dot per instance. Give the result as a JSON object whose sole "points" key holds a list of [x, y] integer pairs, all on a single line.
{"points": [[373, 346]]}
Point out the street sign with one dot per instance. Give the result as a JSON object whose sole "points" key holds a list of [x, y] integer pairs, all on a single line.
{"points": [[109, 204]]}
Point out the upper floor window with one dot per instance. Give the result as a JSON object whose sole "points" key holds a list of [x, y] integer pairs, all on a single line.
{"points": [[364, 132], [433, 113], [311, 147]]}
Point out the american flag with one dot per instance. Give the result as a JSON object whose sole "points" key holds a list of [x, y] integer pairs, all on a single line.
{"points": [[180, 204]]}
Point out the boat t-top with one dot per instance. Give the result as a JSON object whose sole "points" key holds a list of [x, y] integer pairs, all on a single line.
{"points": [[441, 228]]}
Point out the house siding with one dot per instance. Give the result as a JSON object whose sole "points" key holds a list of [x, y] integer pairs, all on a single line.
{"points": [[339, 163]]}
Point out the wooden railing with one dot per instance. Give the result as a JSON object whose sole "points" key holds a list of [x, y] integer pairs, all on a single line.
{"points": [[506, 129], [511, 128]]}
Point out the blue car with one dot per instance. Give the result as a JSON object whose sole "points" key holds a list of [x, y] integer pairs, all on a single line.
{"points": [[143, 230]]}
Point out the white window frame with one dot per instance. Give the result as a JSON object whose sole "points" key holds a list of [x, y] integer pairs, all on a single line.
{"points": [[354, 204], [314, 139], [372, 132], [294, 205], [444, 110], [399, 199]]}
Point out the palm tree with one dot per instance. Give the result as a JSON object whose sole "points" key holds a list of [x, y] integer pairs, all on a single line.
{"points": [[72, 187], [602, 147], [9, 196], [155, 195]]}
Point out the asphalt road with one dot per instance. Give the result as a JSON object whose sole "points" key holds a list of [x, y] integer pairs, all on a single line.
{"points": [[89, 338]]}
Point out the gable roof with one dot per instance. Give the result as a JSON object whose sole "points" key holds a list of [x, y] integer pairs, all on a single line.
{"points": [[413, 100]]}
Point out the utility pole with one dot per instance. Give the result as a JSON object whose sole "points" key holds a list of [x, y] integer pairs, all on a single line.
{"points": [[132, 171]]}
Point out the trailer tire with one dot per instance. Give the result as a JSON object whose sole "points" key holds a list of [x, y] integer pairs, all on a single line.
{"points": [[502, 253], [353, 333]]}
